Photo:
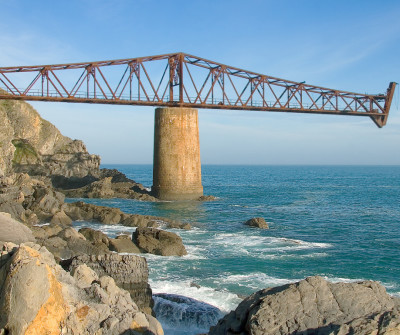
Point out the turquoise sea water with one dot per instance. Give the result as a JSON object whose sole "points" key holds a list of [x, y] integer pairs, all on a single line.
{"points": [[340, 222]]}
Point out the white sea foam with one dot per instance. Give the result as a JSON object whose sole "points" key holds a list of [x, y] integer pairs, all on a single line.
{"points": [[41, 224], [293, 256], [263, 246], [110, 230], [254, 281], [222, 299]]}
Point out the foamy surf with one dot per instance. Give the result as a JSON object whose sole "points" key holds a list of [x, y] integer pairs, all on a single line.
{"points": [[222, 299]]}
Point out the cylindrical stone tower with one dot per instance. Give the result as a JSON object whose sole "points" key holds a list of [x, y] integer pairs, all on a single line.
{"points": [[176, 165]]}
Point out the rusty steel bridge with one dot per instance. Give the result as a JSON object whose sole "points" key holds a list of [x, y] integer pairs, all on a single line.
{"points": [[182, 80]]}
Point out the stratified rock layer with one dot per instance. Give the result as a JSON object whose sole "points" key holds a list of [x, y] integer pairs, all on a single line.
{"points": [[130, 272], [315, 306]]}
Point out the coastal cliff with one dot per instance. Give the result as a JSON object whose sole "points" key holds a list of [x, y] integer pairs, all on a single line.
{"points": [[33, 145]]}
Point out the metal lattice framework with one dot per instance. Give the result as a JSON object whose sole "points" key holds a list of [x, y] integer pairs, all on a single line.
{"points": [[182, 80]]}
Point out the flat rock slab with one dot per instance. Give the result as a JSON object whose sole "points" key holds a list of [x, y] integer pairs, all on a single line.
{"points": [[14, 231]]}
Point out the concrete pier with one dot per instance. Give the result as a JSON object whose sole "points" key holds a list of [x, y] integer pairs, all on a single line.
{"points": [[176, 165]]}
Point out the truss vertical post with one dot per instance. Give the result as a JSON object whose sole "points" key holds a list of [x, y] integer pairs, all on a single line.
{"points": [[130, 81], [89, 70], [171, 62], [180, 68], [43, 78]]}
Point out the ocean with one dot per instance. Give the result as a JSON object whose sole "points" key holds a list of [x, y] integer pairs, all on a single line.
{"points": [[339, 222]]}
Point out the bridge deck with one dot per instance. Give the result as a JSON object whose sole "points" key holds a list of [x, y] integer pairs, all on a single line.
{"points": [[182, 80]]}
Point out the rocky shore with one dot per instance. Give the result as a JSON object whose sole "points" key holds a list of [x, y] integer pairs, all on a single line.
{"points": [[57, 280]]}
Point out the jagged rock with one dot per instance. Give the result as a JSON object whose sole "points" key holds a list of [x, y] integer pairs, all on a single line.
{"points": [[39, 297], [130, 272], [29, 200], [84, 275], [31, 144], [88, 212], [95, 236], [14, 231], [97, 189], [60, 218], [106, 188], [158, 242], [65, 243], [123, 243], [257, 222], [108, 215], [315, 306]]}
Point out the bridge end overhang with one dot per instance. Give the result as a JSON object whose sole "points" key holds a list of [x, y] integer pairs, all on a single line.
{"points": [[381, 120]]}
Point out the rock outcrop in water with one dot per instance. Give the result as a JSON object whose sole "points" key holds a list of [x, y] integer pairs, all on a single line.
{"points": [[38, 297], [257, 223], [315, 306], [108, 215], [158, 242]]}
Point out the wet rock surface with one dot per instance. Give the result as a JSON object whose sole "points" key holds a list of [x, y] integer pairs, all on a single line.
{"points": [[182, 313], [315, 306]]}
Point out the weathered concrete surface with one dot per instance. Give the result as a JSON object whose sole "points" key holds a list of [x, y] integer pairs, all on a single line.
{"points": [[177, 166]]}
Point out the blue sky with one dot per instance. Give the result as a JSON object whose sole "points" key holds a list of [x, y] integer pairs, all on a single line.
{"points": [[347, 45]]}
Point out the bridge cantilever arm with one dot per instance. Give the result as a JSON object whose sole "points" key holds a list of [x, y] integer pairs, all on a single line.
{"points": [[381, 120]]}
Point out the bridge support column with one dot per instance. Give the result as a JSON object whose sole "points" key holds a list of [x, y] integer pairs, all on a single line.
{"points": [[176, 165]]}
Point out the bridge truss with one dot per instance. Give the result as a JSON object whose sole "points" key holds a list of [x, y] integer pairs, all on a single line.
{"points": [[182, 80]]}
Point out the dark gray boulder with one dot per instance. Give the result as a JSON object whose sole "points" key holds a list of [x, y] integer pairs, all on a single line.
{"points": [[315, 306]]}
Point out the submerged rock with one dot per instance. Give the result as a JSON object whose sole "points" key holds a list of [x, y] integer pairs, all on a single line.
{"points": [[257, 222], [158, 242], [182, 313], [315, 306]]}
